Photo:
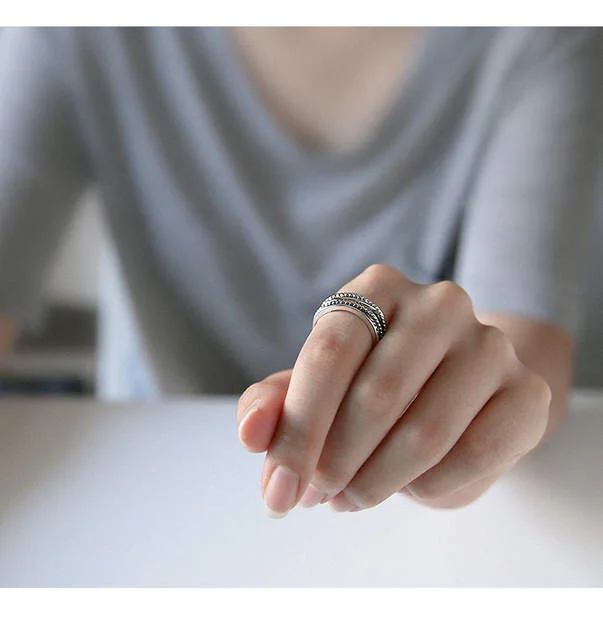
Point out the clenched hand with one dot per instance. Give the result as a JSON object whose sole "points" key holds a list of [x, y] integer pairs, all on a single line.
{"points": [[441, 403]]}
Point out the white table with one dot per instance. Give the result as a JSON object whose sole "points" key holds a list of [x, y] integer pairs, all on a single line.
{"points": [[164, 495]]}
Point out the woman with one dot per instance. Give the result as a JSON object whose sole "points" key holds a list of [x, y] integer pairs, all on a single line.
{"points": [[445, 175]]}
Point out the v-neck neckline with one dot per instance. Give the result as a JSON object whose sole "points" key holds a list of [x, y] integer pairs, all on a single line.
{"points": [[282, 143]]}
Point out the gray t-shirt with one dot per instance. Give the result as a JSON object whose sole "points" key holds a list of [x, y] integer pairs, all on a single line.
{"points": [[230, 234]]}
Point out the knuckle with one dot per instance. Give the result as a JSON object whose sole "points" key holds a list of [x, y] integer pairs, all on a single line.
{"points": [[298, 440], [497, 345], [539, 395], [426, 442], [538, 389], [376, 396], [380, 272], [531, 398], [449, 298]]}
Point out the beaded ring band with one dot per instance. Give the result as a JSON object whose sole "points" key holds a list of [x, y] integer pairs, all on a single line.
{"points": [[363, 308]]}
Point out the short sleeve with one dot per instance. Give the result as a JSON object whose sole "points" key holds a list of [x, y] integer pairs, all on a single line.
{"points": [[42, 166], [523, 241]]}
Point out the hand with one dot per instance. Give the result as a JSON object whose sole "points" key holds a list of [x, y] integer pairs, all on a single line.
{"points": [[440, 408]]}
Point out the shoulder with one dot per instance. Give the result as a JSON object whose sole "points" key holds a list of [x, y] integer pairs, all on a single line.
{"points": [[116, 54], [546, 42], [507, 60], [105, 41], [514, 63], [529, 51]]}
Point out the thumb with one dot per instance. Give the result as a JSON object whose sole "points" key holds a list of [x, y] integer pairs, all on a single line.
{"points": [[259, 409]]}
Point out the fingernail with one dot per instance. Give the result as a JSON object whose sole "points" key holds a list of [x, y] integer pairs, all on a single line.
{"points": [[252, 409], [312, 496], [341, 503], [281, 491]]}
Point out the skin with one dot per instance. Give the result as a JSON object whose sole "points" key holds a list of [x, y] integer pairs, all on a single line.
{"points": [[489, 385], [458, 362], [488, 388], [329, 88]]}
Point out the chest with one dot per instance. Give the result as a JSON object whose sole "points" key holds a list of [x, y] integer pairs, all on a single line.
{"points": [[197, 171], [328, 88]]}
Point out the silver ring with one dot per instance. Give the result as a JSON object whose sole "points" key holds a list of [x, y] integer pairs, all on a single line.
{"points": [[363, 308]]}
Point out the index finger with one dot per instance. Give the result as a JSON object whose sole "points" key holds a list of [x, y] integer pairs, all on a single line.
{"points": [[325, 367]]}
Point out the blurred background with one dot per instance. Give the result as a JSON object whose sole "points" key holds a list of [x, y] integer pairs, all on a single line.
{"points": [[88, 335], [88, 329], [61, 357]]}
